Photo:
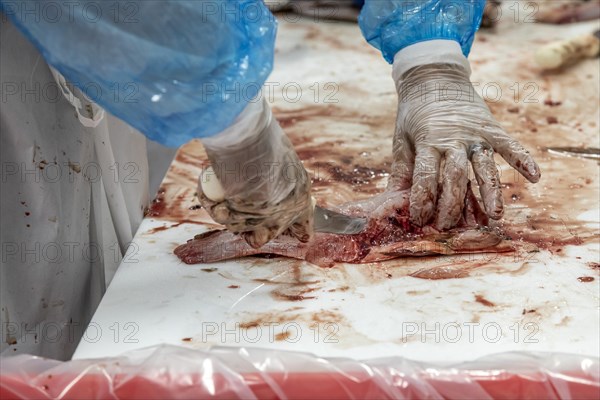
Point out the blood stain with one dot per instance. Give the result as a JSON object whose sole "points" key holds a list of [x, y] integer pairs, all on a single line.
{"points": [[282, 336], [585, 279], [482, 300]]}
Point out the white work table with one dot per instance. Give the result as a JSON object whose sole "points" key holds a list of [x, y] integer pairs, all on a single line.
{"points": [[524, 301]]}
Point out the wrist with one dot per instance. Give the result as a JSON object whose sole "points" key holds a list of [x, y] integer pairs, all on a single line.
{"points": [[429, 52], [251, 156], [245, 129]]}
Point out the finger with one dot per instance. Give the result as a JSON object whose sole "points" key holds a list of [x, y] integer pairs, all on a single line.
{"points": [[302, 228], [423, 193], [302, 231], [473, 214], [454, 187], [220, 213], [260, 236], [235, 221], [488, 179], [514, 154], [403, 164]]}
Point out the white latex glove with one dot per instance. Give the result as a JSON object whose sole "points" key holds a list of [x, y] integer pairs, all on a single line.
{"points": [[264, 189], [442, 124]]}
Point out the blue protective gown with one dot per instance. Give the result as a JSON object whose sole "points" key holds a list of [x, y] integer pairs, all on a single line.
{"points": [[177, 70], [174, 70]]}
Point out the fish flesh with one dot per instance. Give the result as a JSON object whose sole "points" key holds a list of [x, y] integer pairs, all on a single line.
{"points": [[388, 235]]}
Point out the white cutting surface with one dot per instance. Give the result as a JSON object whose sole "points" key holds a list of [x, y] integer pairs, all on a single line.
{"points": [[519, 301]]}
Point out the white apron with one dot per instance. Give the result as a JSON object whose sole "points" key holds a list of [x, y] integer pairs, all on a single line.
{"points": [[72, 197]]}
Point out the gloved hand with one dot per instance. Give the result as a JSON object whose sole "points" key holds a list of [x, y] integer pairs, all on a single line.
{"points": [[442, 124], [256, 185]]}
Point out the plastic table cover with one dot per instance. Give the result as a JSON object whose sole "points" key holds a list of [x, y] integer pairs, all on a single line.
{"points": [[233, 373]]}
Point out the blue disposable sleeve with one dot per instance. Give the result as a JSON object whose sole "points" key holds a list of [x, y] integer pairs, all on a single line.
{"points": [[175, 70], [391, 25]]}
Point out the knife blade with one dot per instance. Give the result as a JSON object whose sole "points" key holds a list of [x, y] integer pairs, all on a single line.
{"points": [[582, 152], [328, 221]]}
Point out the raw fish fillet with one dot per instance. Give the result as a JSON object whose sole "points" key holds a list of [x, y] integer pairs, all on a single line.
{"points": [[388, 235]]}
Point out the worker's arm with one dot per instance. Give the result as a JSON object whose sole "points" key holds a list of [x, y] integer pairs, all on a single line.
{"points": [[442, 123], [178, 70]]}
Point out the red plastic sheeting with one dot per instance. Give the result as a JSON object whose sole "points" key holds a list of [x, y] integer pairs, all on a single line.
{"points": [[177, 372]]}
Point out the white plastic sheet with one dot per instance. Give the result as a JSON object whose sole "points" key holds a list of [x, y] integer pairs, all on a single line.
{"points": [[177, 372]]}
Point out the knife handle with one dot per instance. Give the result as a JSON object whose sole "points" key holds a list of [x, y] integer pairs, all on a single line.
{"points": [[211, 186], [558, 54]]}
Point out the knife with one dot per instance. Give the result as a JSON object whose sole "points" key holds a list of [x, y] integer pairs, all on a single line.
{"points": [[326, 221], [582, 152]]}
